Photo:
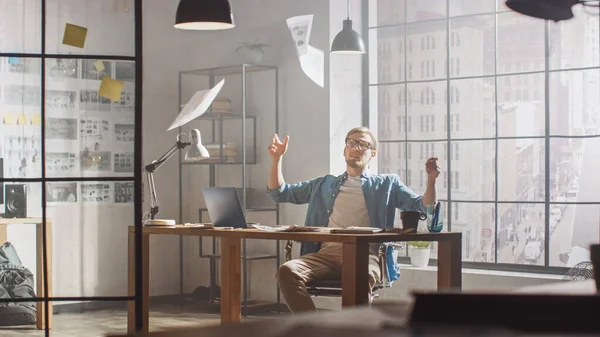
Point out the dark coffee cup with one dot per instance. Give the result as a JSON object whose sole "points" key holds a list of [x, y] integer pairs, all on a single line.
{"points": [[410, 219], [595, 257]]}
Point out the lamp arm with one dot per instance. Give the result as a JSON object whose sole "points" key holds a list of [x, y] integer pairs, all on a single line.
{"points": [[155, 165]]}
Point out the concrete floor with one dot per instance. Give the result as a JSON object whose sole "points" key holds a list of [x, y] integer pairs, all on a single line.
{"points": [[104, 322]]}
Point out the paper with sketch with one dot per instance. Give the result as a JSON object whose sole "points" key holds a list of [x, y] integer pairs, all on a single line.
{"points": [[197, 105], [313, 65], [300, 27]]}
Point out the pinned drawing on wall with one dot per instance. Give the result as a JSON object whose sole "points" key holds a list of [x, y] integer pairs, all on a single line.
{"points": [[36, 119], [312, 60], [74, 35], [99, 65], [111, 88], [9, 118], [22, 120]]}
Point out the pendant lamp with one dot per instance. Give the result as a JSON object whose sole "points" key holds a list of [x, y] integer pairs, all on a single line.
{"points": [[204, 15], [555, 10], [348, 41]]}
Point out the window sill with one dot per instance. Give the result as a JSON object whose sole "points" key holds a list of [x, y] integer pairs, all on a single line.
{"points": [[473, 271]]}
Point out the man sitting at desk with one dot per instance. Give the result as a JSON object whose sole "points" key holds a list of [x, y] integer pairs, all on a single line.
{"points": [[355, 198]]}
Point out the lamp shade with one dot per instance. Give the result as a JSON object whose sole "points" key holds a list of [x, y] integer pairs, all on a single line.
{"points": [[204, 15], [348, 41], [196, 151], [555, 10]]}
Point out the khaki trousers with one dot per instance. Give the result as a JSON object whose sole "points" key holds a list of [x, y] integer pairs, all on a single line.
{"points": [[293, 275]]}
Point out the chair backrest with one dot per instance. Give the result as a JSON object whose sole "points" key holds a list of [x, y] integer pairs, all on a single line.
{"points": [[581, 271]]}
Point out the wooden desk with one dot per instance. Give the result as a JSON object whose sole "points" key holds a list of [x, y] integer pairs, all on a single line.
{"points": [[354, 269], [39, 262]]}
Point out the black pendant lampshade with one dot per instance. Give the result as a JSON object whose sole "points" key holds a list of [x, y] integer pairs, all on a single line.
{"points": [[348, 41], [204, 15], [555, 10]]}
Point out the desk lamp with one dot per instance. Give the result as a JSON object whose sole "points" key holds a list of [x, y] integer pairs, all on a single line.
{"points": [[195, 151]]}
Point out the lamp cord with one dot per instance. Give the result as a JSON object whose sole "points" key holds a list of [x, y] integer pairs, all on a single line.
{"points": [[348, 9]]}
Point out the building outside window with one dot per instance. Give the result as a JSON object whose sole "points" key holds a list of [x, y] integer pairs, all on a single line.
{"points": [[520, 102]]}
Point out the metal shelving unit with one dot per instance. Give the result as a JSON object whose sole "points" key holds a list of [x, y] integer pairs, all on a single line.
{"points": [[217, 122]]}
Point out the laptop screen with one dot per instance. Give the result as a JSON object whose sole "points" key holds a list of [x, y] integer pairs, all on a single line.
{"points": [[224, 207]]}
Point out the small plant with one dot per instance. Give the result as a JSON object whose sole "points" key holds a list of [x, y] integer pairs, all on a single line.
{"points": [[419, 244], [253, 52], [254, 46]]}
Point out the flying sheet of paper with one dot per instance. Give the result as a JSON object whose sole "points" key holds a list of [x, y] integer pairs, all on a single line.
{"points": [[196, 106], [300, 28], [36, 119], [111, 88], [99, 66], [9, 118], [313, 65], [74, 35], [312, 60]]}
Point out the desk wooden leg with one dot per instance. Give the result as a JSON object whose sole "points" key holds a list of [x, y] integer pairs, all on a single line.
{"points": [[450, 265], [40, 307], [131, 281], [355, 274], [231, 281], [3, 234]]}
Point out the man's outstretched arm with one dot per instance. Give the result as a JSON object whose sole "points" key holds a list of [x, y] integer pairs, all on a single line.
{"points": [[278, 190], [433, 171]]}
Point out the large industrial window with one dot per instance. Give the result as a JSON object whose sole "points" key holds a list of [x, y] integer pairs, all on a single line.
{"points": [[510, 105]]}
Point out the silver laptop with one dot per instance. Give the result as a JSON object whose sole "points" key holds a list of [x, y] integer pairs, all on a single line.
{"points": [[224, 207]]}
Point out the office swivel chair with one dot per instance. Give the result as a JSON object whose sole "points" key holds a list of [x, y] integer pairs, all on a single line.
{"points": [[580, 271], [333, 287]]}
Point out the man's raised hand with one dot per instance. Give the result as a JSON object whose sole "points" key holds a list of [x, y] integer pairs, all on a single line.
{"points": [[277, 148]]}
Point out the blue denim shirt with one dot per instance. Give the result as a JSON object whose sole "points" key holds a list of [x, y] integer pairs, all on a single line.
{"points": [[383, 194]]}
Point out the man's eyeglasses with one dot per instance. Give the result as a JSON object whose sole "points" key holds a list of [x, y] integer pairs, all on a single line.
{"points": [[352, 143]]}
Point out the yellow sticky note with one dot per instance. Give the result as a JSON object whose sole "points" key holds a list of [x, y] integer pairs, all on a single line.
{"points": [[99, 66], [22, 120], [74, 35], [36, 119], [111, 88], [9, 118]]}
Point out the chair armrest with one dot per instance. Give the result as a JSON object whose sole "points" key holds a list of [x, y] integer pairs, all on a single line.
{"points": [[288, 250]]}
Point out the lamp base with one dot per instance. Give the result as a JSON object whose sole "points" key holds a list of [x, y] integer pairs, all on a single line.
{"points": [[159, 222]]}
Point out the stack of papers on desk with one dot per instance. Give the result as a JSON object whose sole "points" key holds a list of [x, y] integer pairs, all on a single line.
{"points": [[356, 230], [291, 228]]}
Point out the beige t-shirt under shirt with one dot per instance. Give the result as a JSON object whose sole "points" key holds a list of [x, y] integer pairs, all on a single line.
{"points": [[349, 209]]}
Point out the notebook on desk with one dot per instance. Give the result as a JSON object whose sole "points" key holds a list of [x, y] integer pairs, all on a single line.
{"points": [[356, 230], [224, 207]]}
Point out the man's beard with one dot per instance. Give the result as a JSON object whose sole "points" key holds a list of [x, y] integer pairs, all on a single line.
{"points": [[356, 163]]}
